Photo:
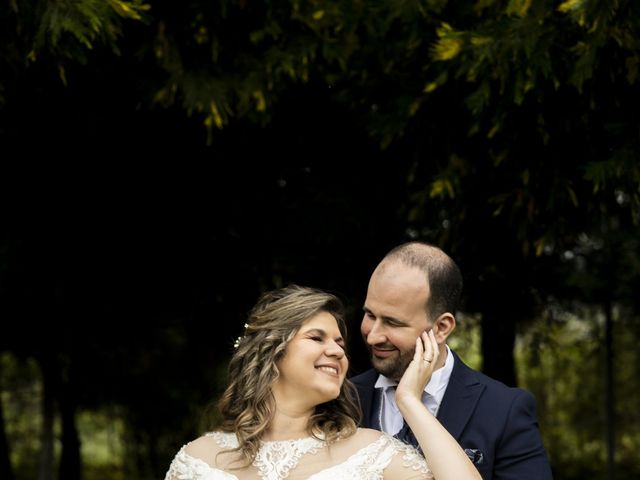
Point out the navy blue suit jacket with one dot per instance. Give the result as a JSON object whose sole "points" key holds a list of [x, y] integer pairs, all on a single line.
{"points": [[495, 424]]}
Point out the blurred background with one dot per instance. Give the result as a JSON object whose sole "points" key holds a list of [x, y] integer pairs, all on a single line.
{"points": [[163, 163]]}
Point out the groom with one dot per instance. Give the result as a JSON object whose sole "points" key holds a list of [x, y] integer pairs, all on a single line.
{"points": [[417, 287]]}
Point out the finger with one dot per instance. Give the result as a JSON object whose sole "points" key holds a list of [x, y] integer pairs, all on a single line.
{"points": [[427, 350], [417, 355], [426, 339], [423, 346], [433, 344]]}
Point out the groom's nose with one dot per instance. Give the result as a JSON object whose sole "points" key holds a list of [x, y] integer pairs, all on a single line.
{"points": [[375, 332]]}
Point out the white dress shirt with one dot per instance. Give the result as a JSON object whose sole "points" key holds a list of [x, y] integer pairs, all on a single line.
{"points": [[390, 417]]}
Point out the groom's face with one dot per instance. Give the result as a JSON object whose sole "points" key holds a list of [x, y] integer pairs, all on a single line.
{"points": [[394, 316]]}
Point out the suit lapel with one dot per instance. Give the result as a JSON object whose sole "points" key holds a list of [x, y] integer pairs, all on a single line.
{"points": [[460, 398], [365, 386]]}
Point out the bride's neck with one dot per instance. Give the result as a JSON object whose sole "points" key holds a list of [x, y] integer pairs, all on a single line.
{"points": [[288, 424]]}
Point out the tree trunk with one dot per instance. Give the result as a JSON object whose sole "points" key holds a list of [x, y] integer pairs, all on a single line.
{"points": [[48, 369], [498, 341], [70, 461], [609, 396], [6, 472]]}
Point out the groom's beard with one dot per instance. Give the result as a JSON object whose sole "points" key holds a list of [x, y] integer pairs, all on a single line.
{"points": [[393, 366]]}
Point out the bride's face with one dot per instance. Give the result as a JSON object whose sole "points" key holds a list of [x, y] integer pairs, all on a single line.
{"points": [[314, 364]]}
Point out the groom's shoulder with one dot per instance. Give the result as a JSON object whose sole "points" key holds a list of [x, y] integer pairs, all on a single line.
{"points": [[367, 378], [492, 387]]}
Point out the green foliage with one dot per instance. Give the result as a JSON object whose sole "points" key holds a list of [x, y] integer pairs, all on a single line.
{"points": [[69, 28], [511, 125], [392, 61], [21, 394], [563, 365], [63, 31], [537, 79], [560, 359]]}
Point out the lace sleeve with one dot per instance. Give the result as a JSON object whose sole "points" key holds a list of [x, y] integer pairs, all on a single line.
{"points": [[186, 467], [190, 463], [406, 462], [183, 467], [178, 466]]}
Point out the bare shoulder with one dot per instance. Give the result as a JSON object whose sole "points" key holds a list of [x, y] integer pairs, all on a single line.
{"points": [[368, 435]]}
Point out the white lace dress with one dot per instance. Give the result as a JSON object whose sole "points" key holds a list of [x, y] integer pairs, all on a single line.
{"points": [[367, 455]]}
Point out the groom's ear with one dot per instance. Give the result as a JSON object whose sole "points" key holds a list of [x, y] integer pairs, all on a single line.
{"points": [[444, 325]]}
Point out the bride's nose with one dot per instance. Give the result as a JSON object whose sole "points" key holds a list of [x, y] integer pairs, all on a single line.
{"points": [[334, 350]]}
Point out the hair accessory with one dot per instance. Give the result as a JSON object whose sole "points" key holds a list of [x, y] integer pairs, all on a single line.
{"points": [[238, 340]]}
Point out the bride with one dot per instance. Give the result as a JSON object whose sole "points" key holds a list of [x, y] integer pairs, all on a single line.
{"points": [[289, 412]]}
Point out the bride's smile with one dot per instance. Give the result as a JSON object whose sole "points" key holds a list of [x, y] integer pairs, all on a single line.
{"points": [[314, 363]]}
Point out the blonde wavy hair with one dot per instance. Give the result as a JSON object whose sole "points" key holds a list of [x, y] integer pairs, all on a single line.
{"points": [[247, 405]]}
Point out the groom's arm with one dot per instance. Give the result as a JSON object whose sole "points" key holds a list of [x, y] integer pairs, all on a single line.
{"points": [[520, 454]]}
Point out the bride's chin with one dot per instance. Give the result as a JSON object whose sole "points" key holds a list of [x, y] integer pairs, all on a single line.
{"points": [[336, 394], [329, 396]]}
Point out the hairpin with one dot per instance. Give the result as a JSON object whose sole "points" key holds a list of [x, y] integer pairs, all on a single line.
{"points": [[236, 344]]}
